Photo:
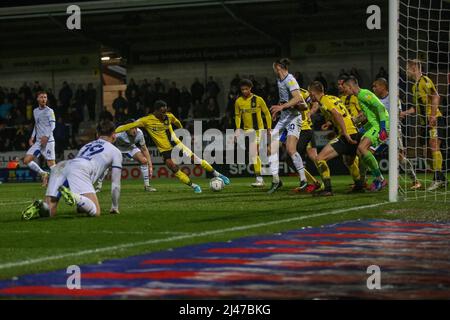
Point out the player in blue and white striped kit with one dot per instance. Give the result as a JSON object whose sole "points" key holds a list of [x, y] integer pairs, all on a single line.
{"points": [[42, 141]]}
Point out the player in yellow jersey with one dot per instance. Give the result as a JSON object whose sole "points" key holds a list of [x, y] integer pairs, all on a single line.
{"points": [[249, 109], [430, 120], [345, 144], [352, 104], [159, 127]]}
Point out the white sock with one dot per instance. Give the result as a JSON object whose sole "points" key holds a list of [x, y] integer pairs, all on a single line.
{"points": [[145, 175], [274, 167], [407, 166], [259, 179], [215, 173], [85, 204], [298, 163], [35, 167]]}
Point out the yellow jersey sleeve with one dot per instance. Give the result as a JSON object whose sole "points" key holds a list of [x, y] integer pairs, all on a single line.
{"points": [[237, 113], [139, 123], [173, 120], [266, 112]]}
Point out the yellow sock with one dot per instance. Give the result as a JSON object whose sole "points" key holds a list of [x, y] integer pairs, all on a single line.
{"points": [[323, 169], [437, 161], [183, 177], [354, 170], [257, 166], [207, 166], [310, 178]]}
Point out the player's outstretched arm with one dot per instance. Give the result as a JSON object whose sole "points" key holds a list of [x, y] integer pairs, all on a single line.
{"points": [[125, 127]]}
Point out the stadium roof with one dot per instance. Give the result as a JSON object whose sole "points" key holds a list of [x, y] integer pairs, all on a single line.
{"points": [[125, 26]]}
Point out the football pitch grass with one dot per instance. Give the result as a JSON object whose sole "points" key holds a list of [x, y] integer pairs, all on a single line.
{"points": [[174, 216]]}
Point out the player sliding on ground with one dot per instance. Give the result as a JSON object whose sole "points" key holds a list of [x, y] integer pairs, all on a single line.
{"points": [[132, 145], [159, 127], [74, 179], [375, 131], [346, 144]]}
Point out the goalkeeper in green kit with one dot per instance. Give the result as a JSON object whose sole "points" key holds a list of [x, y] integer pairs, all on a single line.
{"points": [[375, 131]]}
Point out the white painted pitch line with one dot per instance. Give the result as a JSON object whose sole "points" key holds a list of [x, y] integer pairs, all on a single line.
{"points": [[15, 202], [180, 237]]}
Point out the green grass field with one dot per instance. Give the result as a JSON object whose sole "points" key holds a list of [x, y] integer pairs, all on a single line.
{"points": [[175, 216]]}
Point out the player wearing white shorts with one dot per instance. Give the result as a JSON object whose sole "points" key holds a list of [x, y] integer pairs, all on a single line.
{"points": [[132, 145], [74, 179], [380, 88], [290, 104], [42, 141]]}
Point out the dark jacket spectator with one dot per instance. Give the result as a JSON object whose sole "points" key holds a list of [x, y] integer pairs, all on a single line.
{"points": [[65, 96], [173, 98], [105, 115], [197, 91], [120, 103], [91, 100], [185, 102], [212, 88]]}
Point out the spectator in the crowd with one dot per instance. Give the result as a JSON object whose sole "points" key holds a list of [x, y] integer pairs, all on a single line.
{"points": [[354, 72], [21, 137], [299, 77], [80, 101], [65, 96], [29, 110], [5, 108], [233, 94], [173, 98], [212, 88], [133, 103], [158, 86], [120, 102], [235, 81], [322, 80], [185, 102], [121, 115], [198, 109], [105, 115], [382, 73], [36, 88], [91, 100], [61, 136], [26, 91], [130, 87], [17, 117], [12, 95], [211, 109], [197, 91], [51, 99]]}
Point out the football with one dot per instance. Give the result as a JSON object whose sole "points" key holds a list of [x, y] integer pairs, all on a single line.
{"points": [[216, 184]]}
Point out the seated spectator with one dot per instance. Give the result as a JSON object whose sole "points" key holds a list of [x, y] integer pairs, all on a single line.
{"points": [[211, 109], [5, 108]]}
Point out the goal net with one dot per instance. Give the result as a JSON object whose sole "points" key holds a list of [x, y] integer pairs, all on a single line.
{"points": [[423, 89]]}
